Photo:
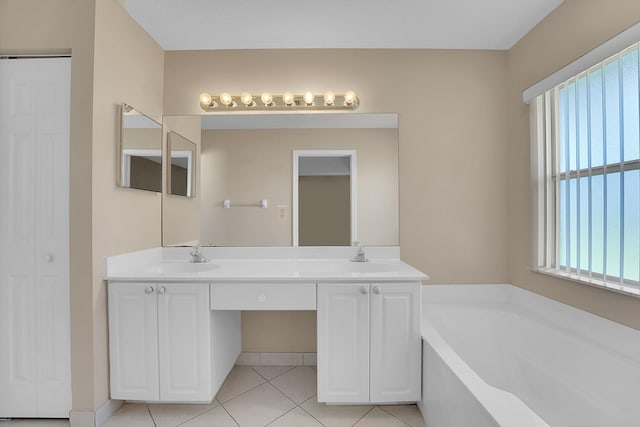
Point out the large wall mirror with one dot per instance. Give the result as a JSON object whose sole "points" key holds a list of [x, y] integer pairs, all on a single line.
{"points": [[140, 162], [246, 179]]}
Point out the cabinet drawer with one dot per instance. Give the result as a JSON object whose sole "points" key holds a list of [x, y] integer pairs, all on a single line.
{"points": [[263, 296]]}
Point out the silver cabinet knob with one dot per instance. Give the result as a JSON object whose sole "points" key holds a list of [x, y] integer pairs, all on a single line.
{"points": [[364, 290], [161, 290], [148, 290], [48, 258], [376, 290]]}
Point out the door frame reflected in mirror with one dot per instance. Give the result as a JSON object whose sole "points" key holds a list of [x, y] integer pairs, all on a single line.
{"points": [[353, 196]]}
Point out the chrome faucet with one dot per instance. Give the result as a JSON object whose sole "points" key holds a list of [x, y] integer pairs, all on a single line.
{"points": [[359, 256], [197, 256]]}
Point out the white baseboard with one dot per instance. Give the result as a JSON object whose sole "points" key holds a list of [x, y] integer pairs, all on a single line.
{"points": [[277, 359], [97, 418]]}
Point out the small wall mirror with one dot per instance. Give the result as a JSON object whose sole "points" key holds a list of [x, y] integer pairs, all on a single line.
{"points": [[140, 151], [181, 173]]}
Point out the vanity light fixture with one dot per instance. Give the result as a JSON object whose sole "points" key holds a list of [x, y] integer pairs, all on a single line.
{"points": [[288, 98], [225, 102]]}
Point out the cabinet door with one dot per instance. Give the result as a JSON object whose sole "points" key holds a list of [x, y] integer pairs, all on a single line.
{"points": [[395, 342], [133, 341], [184, 342], [343, 343]]}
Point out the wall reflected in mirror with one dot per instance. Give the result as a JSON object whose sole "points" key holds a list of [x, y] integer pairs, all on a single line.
{"points": [[182, 153], [249, 159], [140, 162]]}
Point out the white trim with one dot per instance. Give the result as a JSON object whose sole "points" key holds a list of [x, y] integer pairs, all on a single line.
{"points": [[354, 187], [97, 418], [599, 54]]}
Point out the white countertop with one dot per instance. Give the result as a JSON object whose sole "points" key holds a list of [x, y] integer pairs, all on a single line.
{"points": [[327, 264]]}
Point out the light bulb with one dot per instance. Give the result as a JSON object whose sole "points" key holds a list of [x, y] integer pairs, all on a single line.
{"points": [[308, 98], [349, 97], [226, 99], [329, 98], [267, 99], [205, 100], [246, 99], [287, 98]]}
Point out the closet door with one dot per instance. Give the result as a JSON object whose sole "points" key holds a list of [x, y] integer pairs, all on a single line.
{"points": [[34, 230]]}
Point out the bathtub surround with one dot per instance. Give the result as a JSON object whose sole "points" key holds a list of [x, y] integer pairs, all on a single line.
{"points": [[498, 355]]}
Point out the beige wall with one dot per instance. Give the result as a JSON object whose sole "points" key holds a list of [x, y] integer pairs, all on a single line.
{"points": [[128, 67], [251, 165], [181, 215], [453, 148], [105, 220], [453, 136], [572, 30]]}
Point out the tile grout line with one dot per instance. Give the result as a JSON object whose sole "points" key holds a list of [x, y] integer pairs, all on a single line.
{"points": [[291, 368], [146, 405], [196, 416], [365, 414], [229, 413], [310, 414], [395, 416]]}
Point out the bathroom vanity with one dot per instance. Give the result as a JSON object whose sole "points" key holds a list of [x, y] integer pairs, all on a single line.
{"points": [[175, 332]]}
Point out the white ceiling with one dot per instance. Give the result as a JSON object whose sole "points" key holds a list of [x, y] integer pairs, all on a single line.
{"points": [[276, 24]]}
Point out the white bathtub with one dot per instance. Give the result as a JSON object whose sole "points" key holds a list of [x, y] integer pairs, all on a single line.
{"points": [[497, 355]]}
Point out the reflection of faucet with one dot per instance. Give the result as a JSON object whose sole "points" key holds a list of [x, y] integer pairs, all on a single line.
{"points": [[359, 256], [197, 256]]}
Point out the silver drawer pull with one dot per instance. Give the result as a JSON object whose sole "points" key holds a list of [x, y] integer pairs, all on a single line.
{"points": [[376, 290], [148, 290], [364, 290], [262, 298], [161, 290]]}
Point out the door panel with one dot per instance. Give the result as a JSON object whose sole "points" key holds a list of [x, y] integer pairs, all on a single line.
{"points": [[184, 342], [133, 341], [395, 342], [343, 343], [34, 186]]}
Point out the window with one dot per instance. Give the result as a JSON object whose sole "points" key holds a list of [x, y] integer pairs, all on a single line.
{"points": [[586, 135]]}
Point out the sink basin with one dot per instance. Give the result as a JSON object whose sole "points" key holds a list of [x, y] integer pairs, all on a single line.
{"points": [[182, 267]]}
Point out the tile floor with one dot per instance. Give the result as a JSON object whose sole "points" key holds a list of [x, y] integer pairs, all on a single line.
{"points": [[275, 396]]}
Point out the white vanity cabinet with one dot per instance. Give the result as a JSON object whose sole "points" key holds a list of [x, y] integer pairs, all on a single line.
{"points": [[160, 342], [368, 342]]}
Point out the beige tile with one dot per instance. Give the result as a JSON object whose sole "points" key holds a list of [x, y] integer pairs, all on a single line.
{"points": [[217, 417], [296, 418], [270, 372], [131, 415], [248, 359], [240, 380], [335, 415], [410, 414], [379, 418], [170, 415], [259, 407], [299, 384], [35, 423], [281, 359], [310, 359]]}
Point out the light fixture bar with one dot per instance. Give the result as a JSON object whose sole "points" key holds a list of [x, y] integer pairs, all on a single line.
{"points": [[286, 101]]}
